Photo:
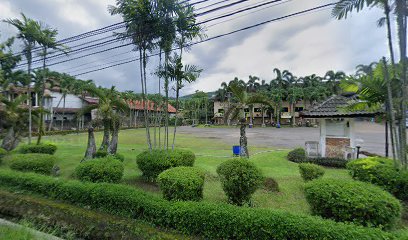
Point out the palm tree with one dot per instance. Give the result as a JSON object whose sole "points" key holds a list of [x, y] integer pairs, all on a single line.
{"points": [[29, 32], [109, 109], [237, 111], [333, 79], [47, 41], [278, 91]]}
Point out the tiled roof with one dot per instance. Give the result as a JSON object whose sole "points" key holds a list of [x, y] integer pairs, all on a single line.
{"points": [[138, 105], [334, 107]]}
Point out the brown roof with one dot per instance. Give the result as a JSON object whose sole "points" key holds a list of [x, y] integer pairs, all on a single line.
{"points": [[91, 100], [138, 105], [334, 107]]}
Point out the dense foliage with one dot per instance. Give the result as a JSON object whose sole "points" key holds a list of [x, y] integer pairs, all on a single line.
{"points": [[212, 221], [353, 201], [3, 153], [101, 153], [381, 171], [240, 178], [32, 162], [297, 155], [107, 169], [182, 183], [46, 148], [152, 163], [309, 171]]}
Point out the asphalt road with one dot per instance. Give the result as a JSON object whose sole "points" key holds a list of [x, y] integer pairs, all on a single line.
{"points": [[371, 133]]}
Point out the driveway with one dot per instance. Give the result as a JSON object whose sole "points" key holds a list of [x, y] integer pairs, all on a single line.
{"points": [[371, 133]]}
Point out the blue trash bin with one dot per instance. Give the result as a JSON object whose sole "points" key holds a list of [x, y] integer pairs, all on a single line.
{"points": [[236, 150]]}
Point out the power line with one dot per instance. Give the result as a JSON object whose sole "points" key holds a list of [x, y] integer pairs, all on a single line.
{"points": [[314, 9]]}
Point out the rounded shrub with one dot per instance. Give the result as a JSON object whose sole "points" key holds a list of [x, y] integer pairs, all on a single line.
{"points": [[297, 155], [119, 157], [101, 153], [310, 171], [271, 185], [353, 201], [152, 163], [100, 170], [46, 148], [32, 162], [182, 183], [240, 178]]}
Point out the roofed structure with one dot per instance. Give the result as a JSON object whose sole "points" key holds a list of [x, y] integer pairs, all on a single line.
{"points": [[334, 107]]}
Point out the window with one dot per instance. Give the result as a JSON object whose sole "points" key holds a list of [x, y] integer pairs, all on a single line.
{"points": [[298, 109], [65, 118], [246, 110], [285, 109], [257, 110], [220, 110]]}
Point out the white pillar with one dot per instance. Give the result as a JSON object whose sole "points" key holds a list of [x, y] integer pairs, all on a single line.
{"points": [[323, 137], [351, 134]]}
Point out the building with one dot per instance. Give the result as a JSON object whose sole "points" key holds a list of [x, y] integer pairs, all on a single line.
{"points": [[262, 114], [337, 130]]}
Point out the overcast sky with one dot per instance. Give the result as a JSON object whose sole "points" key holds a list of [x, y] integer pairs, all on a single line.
{"points": [[307, 44]]}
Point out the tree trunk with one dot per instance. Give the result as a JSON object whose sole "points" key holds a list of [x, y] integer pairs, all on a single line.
{"points": [[52, 114], [144, 100], [113, 145], [177, 108], [91, 148], [42, 113], [106, 131], [11, 140], [145, 89], [30, 120], [166, 107], [243, 142]]}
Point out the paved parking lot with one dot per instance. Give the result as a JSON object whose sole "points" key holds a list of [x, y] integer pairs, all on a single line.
{"points": [[371, 133]]}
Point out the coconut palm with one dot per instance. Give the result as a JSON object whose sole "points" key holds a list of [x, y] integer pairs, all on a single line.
{"points": [[333, 79], [241, 99], [29, 32]]}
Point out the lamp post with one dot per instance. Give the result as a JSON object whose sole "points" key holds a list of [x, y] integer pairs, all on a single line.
{"points": [[359, 144]]}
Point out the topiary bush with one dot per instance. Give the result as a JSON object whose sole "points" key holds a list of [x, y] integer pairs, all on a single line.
{"points": [[119, 157], [182, 183], [310, 171], [297, 155], [106, 169], [152, 163], [46, 148], [32, 162], [353, 201], [240, 178]]}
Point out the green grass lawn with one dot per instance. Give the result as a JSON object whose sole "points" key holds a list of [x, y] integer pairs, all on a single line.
{"points": [[210, 153]]}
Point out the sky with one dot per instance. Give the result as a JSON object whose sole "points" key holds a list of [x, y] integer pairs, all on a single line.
{"points": [[311, 43]]}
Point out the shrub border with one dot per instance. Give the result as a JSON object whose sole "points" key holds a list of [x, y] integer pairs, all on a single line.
{"points": [[213, 221]]}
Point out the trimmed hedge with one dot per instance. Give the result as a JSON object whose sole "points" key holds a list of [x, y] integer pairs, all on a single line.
{"points": [[239, 178], [353, 201], [46, 148], [100, 170], [76, 223], [32, 162], [297, 155], [152, 163], [212, 221], [182, 183], [309, 171]]}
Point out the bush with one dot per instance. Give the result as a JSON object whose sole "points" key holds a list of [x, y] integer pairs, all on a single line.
{"points": [[101, 153], [353, 201], [46, 148], [119, 157], [297, 155], [152, 163], [32, 162], [3, 152], [271, 185], [100, 170], [182, 183], [209, 220], [240, 178], [310, 171], [328, 162]]}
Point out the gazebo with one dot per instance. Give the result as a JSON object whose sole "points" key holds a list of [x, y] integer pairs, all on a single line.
{"points": [[337, 127]]}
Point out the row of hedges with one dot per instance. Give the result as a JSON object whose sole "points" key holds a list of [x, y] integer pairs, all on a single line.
{"points": [[381, 171], [353, 201], [298, 155], [154, 162], [212, 221], [85, 224]]}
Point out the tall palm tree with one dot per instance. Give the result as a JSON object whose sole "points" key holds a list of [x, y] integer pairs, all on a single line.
{"points": [[241, 99], [333, 79], [29, 32], [47, 42]]}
